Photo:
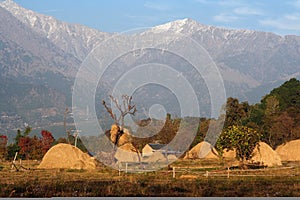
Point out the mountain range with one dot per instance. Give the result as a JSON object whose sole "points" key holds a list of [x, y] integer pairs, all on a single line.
{"points": [[40, 56]]}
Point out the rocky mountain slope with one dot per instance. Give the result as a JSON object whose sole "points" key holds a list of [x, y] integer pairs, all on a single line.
{"points": [[246, 58], [74, 39], [36, 76], [43, 55]]}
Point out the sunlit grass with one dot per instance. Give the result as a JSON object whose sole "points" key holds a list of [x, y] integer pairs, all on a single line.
{"points": [[105, 182]]}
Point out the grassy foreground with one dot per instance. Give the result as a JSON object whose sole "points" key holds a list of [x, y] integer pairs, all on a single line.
{"points": [[197, 180]]}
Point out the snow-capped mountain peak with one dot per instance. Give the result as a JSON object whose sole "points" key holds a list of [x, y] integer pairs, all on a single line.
{"points": [[75, 39], [189, 26], [21, 13], [8, 3], [186, 25]]}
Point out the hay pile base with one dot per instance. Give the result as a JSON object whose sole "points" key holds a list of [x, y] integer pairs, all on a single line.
{"points": [[155, 157], [289, 151], [202, 150], [266, 155], [65, 156], [172, 158], [127, 153], [229, 157]]}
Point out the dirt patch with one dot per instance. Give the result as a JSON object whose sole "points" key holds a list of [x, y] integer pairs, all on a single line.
{"points": [[188, 177], [65, 156]]}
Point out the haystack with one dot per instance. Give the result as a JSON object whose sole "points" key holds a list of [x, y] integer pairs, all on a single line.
{"points": [[289, 151], [66, 156], [127, 153], [124, 138], [202, 150], [156, 157], [231, 154], [266, 155], [114, 133], [172, 158]]}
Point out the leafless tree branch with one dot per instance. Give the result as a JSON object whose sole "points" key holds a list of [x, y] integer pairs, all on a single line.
{"points": [[125, 108], [109, 110]]}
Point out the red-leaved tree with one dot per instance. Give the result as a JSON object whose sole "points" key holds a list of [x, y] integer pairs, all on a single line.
{"points": [[25, 146], [3, 144], [36, 148], [47, 140]]}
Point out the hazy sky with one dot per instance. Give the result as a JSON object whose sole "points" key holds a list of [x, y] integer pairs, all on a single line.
{"points": [[279, 16]]}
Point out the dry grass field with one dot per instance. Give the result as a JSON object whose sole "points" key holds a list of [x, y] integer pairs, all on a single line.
{"points": [[192, 179]]}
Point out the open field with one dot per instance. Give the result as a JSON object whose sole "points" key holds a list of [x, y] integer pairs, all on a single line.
{"points": [[199, 179]]}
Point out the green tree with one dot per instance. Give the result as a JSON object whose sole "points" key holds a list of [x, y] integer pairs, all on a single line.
{"points": [[272, 105], [236, 112], [256, 115], [277, 116], [14, 147], [288, 94], [11, 151], [280, 130], [201, 132], [270, 110], [240, 138]]}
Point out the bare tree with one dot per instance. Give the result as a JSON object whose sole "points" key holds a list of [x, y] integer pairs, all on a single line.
{"points": [[124, 108]]}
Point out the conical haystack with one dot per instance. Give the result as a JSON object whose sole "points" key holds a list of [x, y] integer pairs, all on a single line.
{"points": [[202, 150], [266, 155], [127, 153], [289, 151], [172, 158], [66, 156]]}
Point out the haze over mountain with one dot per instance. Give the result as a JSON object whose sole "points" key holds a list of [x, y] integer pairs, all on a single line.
{"points": [[41, 55]]}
